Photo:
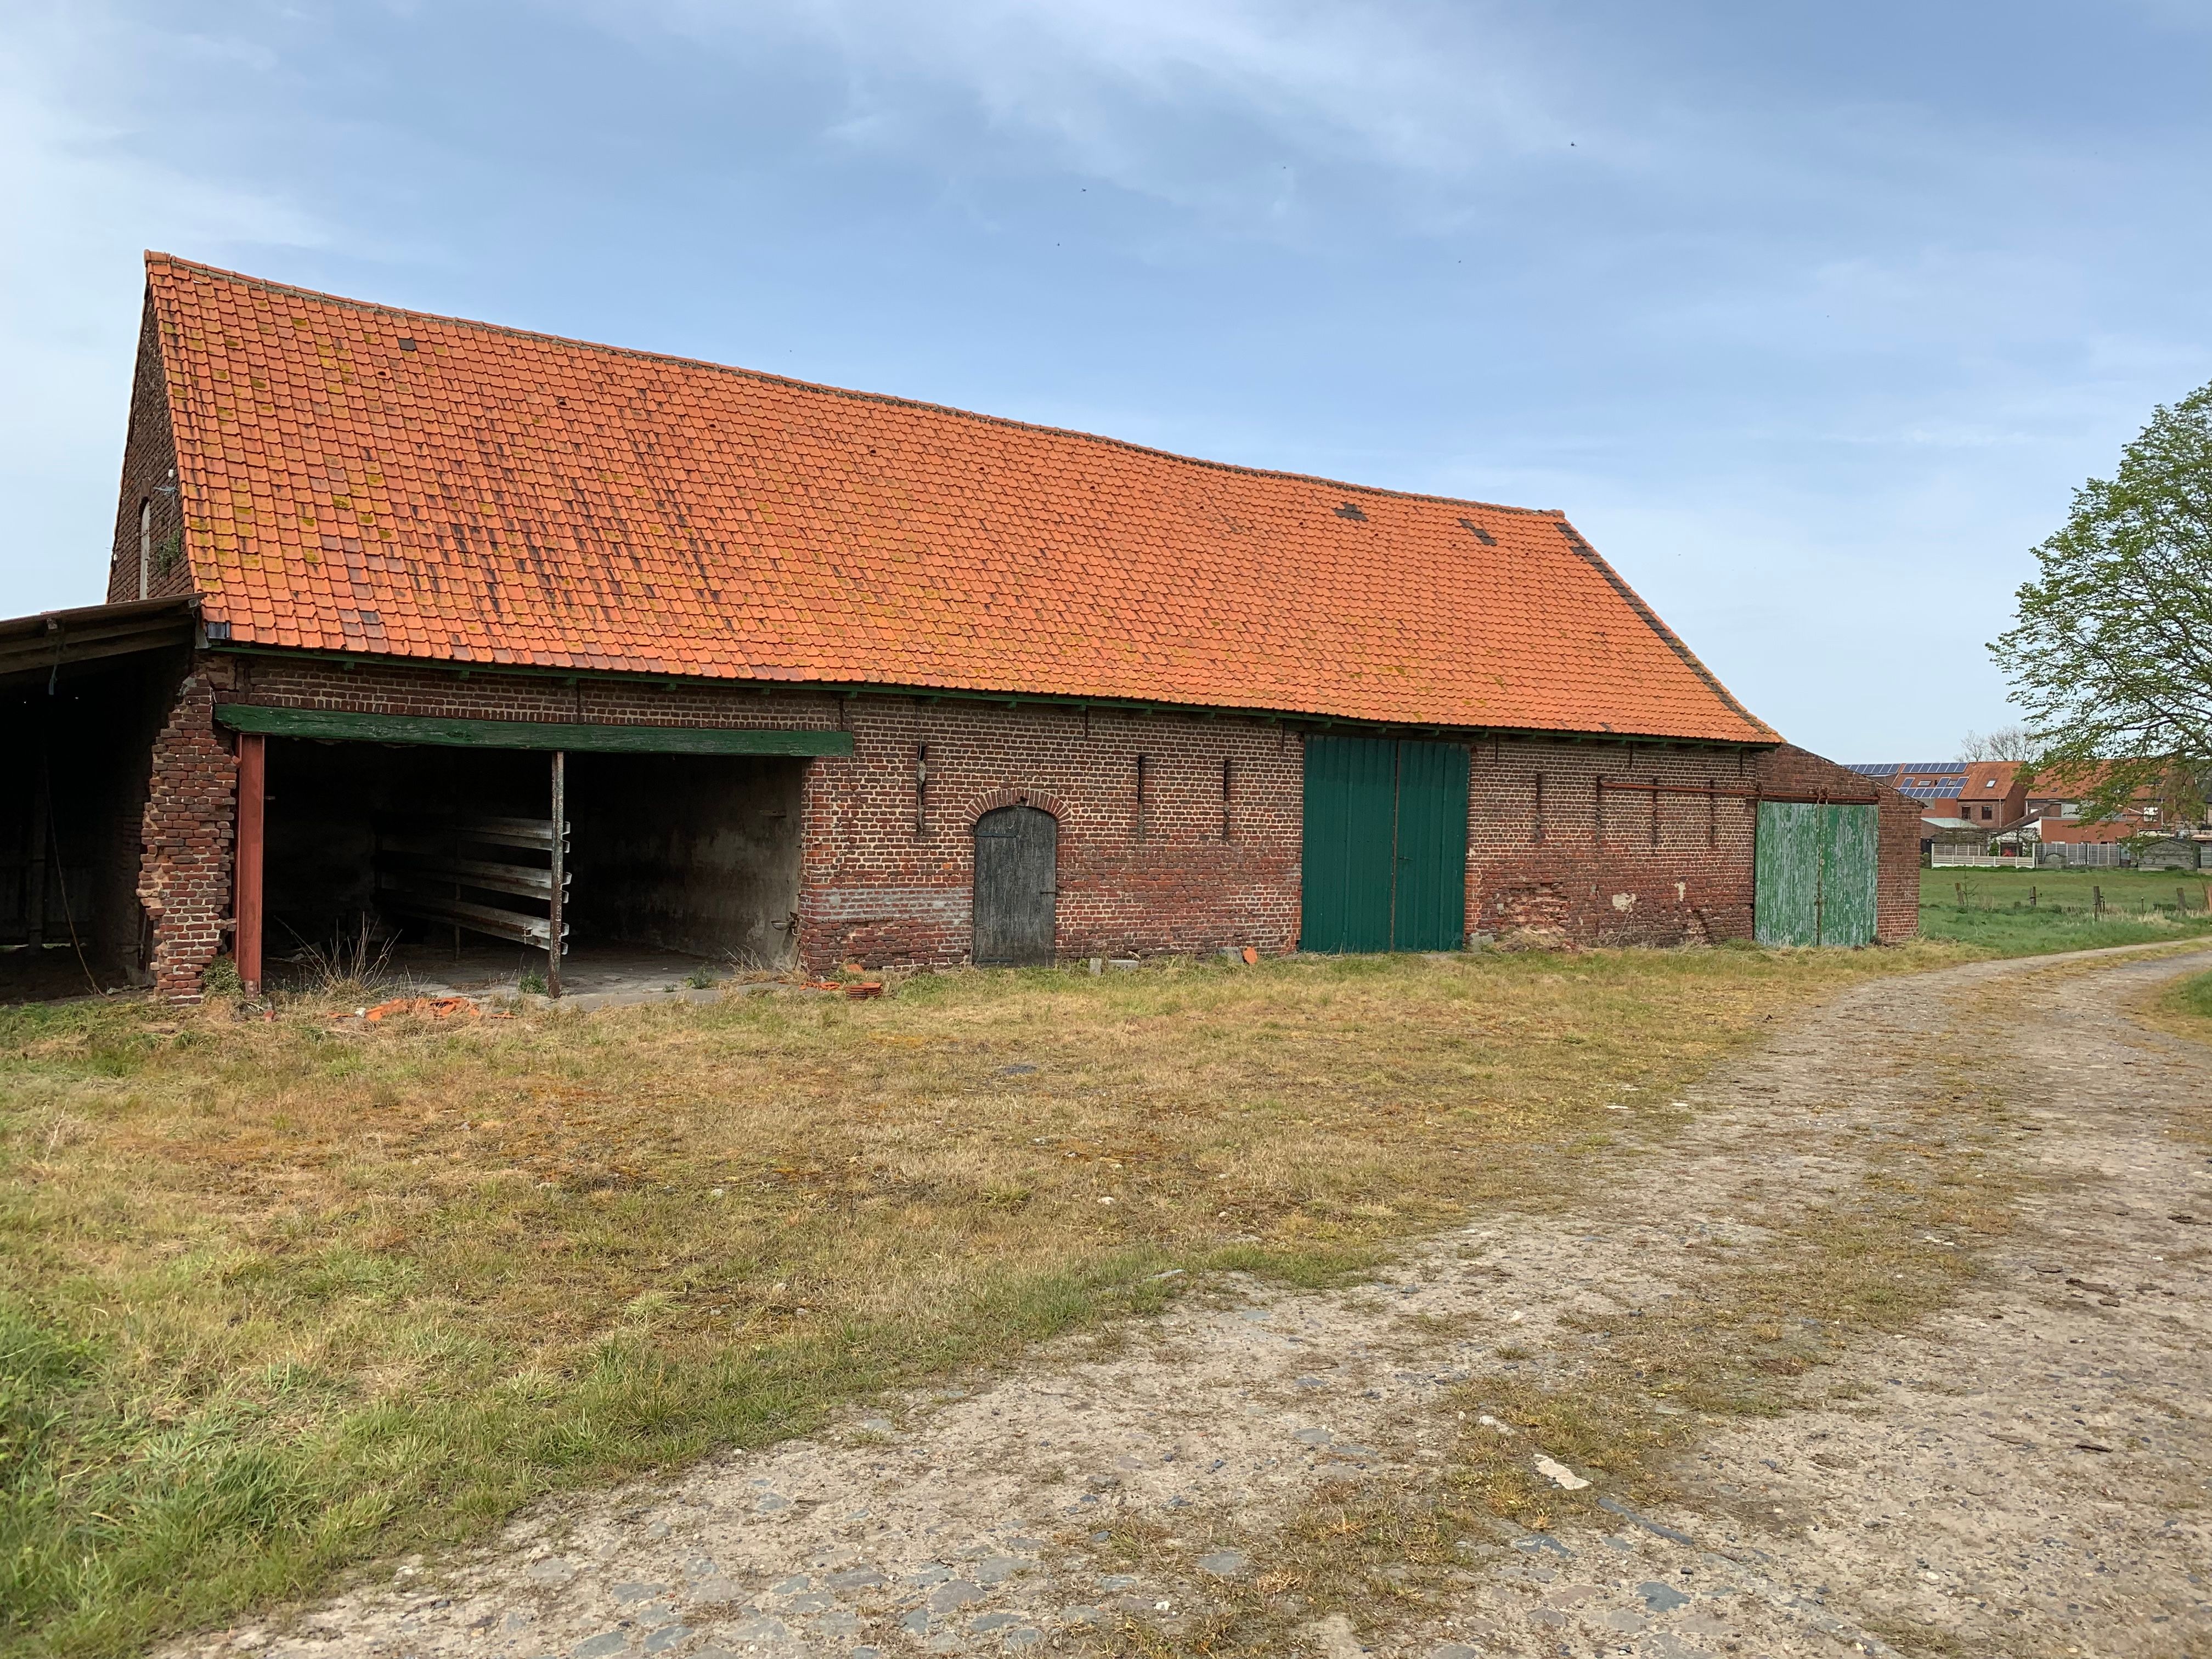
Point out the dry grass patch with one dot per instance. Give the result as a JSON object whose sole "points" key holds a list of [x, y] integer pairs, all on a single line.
{"points": [[278, 1299]]}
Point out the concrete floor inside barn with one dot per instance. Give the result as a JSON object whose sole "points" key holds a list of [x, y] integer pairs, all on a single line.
{"points": [[591, 976]]}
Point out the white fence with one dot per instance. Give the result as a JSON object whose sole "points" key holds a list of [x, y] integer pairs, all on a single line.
{"points": [[1972, 858], [2088, 854], [2073, 854]]}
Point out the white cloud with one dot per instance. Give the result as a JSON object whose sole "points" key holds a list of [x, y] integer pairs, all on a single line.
{"points": [[1107, 86]]}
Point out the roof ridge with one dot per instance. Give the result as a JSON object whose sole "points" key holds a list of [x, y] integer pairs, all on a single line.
{"points": [[892, 400]]}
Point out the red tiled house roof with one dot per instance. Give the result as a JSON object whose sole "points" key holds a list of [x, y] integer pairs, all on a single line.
{"points": [[363, 479]]}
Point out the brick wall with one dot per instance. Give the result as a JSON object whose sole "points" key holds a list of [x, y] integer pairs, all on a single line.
{"points": [[190, 815], [150, 477], [1177, 833], [888, 875], [877, 890], [1563, 841]]}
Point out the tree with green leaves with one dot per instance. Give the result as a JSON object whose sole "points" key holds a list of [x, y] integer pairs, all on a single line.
{"points": [[2111, 655]]}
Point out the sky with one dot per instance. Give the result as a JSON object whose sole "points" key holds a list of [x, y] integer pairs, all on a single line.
{"points": [[1812, 317]]}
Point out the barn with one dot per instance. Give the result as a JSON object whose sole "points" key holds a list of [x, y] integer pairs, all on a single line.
{"points": [[466, 632]]}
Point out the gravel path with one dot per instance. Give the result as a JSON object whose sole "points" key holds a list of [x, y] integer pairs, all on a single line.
{"points": [[2025, 1473]]}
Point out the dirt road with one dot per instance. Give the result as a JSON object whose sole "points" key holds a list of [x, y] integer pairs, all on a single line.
{"points": [[2024, 1473]]}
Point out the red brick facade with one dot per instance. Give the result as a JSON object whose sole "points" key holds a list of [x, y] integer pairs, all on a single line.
{"points": [[1177, 833], [1569, 839], [190, 818], [1207, 857], [149, 483]]}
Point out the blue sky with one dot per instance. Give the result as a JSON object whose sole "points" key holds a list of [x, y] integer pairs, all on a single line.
{"points": [[1812, 317]]}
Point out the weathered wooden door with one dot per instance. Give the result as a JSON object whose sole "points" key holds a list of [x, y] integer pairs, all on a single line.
{"points": [[1016, 880], [1385, 846], [1816, 869]]}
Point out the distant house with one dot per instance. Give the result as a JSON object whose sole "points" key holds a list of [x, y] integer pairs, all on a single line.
{"points": [[1989, 793], [2055, 803]]}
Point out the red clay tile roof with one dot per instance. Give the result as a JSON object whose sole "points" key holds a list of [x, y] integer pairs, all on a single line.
{"points": [[363, 479]]}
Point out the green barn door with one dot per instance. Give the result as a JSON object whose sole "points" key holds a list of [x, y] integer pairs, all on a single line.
{"points": [[1430, 911], [1351, 810], [1850, 837], [1385, 856], [1814, 873]]}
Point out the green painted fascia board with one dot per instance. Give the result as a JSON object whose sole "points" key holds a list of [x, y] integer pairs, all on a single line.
{"points": [[439, 730], [1295, 719]]}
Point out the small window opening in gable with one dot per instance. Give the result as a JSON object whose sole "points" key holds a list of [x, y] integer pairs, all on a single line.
{"points": [[145, 547]]}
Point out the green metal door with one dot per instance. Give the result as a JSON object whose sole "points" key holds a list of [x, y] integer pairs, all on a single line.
{"points": [[1385, 854], [1429, 905], [1351, 810], [1814, 873]]}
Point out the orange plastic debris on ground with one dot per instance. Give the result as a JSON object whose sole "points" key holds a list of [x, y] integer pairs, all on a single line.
{"points": [[866, 987], [434, 1007], [1251, 958]]}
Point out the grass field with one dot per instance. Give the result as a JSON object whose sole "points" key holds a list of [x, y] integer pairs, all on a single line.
{"points": [[275, 1297], [2184, 1008], [2023, 912]]}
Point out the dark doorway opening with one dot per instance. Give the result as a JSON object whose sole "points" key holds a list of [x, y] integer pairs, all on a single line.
{"points": [[75, 750], [441, 854], [1017, 886]]}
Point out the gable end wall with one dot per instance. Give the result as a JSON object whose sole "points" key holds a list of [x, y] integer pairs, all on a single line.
{"points": [[149, 476]]}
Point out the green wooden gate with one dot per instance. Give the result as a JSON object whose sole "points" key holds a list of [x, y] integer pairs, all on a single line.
{"points": [[1815, 873], [1385, 846]]}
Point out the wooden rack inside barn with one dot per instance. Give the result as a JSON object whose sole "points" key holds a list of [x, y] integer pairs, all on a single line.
{"points": [[455, 869]]}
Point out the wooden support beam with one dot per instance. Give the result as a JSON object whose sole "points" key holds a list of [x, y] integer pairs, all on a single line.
{"points": [[476, 917]]}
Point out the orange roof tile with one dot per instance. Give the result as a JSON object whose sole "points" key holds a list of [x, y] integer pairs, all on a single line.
{"points": [[360, 478]]}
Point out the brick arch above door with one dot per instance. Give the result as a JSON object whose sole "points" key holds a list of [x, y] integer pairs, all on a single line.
{"points": [[990, 800]]}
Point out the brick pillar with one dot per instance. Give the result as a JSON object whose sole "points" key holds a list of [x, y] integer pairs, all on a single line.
{"points": [[184, 865], [820, 798]]}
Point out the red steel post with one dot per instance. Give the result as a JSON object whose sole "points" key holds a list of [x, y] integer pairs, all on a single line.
{"points": [[252, 776]]}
